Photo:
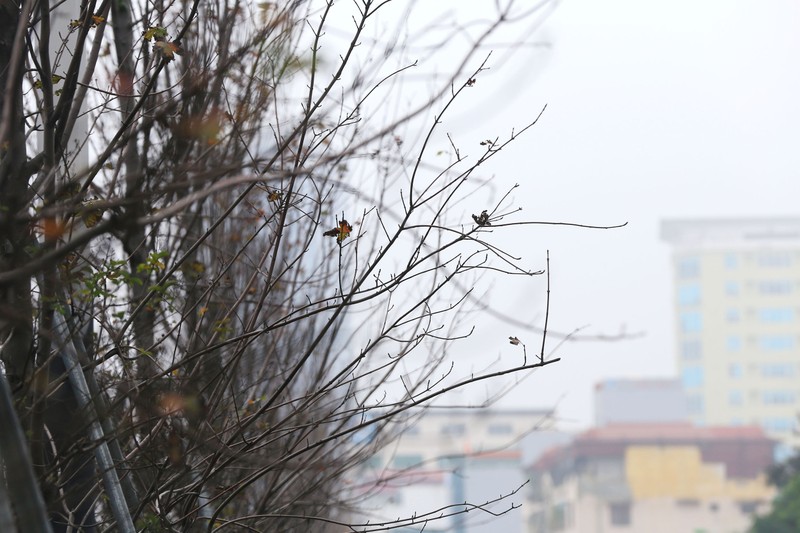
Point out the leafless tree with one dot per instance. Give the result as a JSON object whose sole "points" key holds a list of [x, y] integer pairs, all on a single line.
{"points": [[226, 253]]}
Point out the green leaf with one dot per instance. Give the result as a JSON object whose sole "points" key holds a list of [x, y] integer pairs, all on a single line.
{"points": [[155, 32]]}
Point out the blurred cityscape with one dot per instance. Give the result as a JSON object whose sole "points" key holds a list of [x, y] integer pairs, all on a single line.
{"points": [[683, 454]]}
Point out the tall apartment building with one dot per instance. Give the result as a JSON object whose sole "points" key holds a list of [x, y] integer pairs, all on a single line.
{"points": [[737, 304]]}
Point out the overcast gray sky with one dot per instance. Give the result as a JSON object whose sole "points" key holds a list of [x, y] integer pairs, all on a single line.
{"points": [[655, 109]]}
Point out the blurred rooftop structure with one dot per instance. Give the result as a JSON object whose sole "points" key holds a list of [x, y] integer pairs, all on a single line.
{"points": [[652, 478]]}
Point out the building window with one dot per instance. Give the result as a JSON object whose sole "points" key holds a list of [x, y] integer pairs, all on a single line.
{"points": [[748, 507], [775, 287], [776, 314], [620, 513], [404, 461], [732, 315], [775, 260], [731, 261], [695, 404], [500, 429], [692, 377], [735, 370], [454, 430], [691, 350], [733, 343], [688, 267], [776, 342], [689, 294], [560, 517], [731, 288], [777, 397], [779, 370], [691, 322], [782, 453], [735, 398], [537, 522], [777, 425]]}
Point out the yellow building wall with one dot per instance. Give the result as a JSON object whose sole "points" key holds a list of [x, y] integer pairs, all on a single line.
{"points": [[679, 472]]}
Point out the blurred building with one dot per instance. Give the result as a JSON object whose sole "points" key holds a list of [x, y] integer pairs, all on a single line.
{"points": [[737, 303], [652, 478], [621, 401], [449, 457]]}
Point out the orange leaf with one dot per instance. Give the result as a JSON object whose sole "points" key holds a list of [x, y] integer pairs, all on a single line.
{"points": [[171, 403], [52, 228], [341, 232]]}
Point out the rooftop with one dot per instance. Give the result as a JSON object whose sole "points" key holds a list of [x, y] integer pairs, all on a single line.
{"points": [[746, 450], [713, 232], [670, 432]]}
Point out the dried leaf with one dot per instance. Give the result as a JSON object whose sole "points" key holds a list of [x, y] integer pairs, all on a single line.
{"points": [[171, 403], [341, 232], [94, 21], [482, 219], [52, 228], [167, 49], [91, 215], [204, 126], [515, 341]]}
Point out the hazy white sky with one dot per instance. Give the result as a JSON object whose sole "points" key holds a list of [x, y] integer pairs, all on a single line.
{"points": [[655, 109]]}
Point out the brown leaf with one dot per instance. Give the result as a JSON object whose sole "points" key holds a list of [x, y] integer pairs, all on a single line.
{"points": [[341, 232], [167, 49]]}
